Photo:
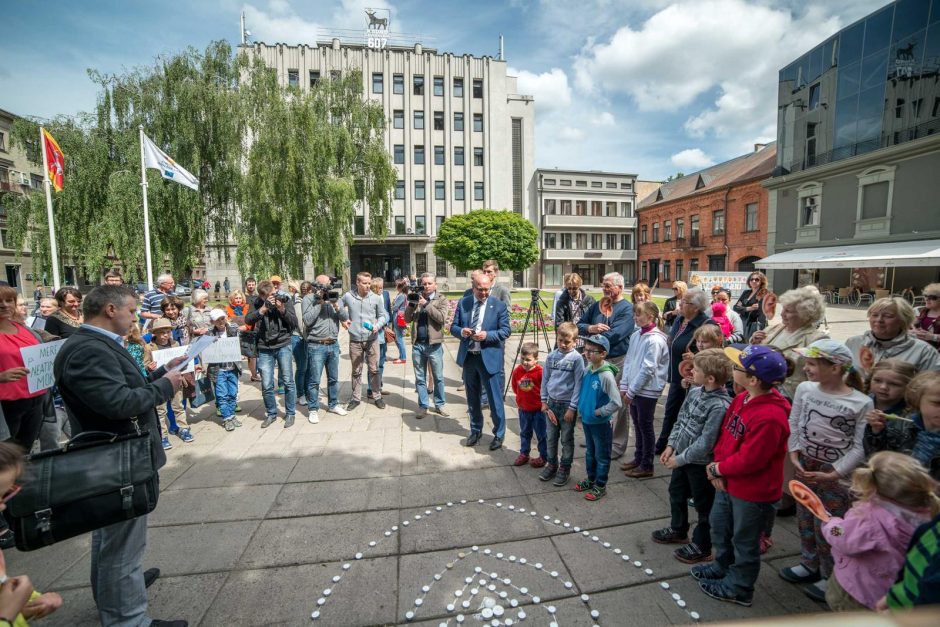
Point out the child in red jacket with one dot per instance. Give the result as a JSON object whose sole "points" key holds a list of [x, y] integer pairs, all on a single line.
{"points": [[747, 473], [527, 386]]}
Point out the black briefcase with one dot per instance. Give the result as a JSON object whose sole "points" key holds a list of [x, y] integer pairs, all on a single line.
{"points": [[94, 480]]}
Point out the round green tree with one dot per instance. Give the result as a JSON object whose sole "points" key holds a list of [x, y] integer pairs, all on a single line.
{"points": [[468, 240]]}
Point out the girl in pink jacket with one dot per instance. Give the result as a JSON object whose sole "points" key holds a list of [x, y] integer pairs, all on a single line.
{"points": [[896, 494]]}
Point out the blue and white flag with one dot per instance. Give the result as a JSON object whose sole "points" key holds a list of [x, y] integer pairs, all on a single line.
{"points": [[169, 169]]}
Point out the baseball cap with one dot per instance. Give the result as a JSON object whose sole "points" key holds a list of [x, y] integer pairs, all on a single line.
{"points": [[763, 362], [216, 314], [830, 350], [599, 340], [276, 279]]}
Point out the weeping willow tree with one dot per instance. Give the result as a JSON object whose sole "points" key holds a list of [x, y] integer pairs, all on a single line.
{"points": [[280, 172]]}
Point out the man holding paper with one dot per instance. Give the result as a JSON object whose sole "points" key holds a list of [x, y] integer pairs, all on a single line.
{"points": [[104, 390]]}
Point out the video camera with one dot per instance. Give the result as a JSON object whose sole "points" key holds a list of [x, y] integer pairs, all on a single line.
{"points": [[414, 291], [328, 291]]}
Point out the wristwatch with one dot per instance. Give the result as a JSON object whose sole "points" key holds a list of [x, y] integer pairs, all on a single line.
{"points": [[713, 469]]}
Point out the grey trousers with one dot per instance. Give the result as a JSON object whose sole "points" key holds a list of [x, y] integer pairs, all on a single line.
{"points": [[621, 423], [367, 352], [117, 573]]}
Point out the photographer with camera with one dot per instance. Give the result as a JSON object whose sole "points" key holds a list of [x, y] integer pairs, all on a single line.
{"points": [[364, 315], [321, 315], [426, 312], [274, 320]]}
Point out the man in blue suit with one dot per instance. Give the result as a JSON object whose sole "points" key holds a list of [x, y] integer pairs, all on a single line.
{"points": [[481, 324]]}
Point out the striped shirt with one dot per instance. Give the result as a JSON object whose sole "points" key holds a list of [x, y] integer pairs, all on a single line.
{"points": [[152, 300]]}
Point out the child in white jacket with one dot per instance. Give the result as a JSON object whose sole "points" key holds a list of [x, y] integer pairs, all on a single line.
{"points": [[645, 372]]}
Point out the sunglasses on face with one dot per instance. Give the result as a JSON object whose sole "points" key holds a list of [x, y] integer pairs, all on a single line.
{"points": [[754, 278]]}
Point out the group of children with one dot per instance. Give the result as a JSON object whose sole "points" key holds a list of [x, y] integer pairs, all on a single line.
{"points": [[736, 439]]}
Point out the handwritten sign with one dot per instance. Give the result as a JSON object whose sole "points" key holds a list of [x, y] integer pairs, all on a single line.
{"points": [[733, 282], [164, 356], [39, 360], [225, 349]]}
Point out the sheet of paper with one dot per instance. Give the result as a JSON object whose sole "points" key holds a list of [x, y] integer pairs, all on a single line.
{"points": [[164, 356], [224, 350], [39, 360], [200, 344]]}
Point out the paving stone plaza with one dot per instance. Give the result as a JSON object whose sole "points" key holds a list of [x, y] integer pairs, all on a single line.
{"points": [[380, 518]]}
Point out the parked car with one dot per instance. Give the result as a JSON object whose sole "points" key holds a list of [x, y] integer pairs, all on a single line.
{"points": [[182, 290]]}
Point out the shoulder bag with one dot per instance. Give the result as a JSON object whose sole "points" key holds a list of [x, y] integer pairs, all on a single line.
{"points": [[94, 480]]}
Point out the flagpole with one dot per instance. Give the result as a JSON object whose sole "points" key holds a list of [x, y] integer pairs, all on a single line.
{"points": [[53, 249], [143, 184]]}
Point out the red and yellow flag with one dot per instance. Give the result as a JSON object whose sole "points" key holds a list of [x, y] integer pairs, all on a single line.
{"points": [[55, 160]]}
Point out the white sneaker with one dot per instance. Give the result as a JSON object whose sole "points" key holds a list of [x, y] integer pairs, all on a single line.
{"points": [[339, 410], [302, 400], [314, 417]]}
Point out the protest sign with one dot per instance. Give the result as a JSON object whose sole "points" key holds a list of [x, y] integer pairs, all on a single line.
{"points": [[39, 360], [225, 349], [733, 282], [163, 356]]}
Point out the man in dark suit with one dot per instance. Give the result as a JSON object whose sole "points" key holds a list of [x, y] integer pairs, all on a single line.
{"points": [[104, 390], [482, 325]]}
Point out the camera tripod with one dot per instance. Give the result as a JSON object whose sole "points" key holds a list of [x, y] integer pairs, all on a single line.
{"points": [[535, 315]]}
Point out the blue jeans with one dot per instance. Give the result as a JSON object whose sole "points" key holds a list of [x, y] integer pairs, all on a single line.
{"points": [[478, 383], [284, 359], [422, 354], [319, 355], [562, 433], [226, 392], [736, 526], [299, 349], [400, 342], [597, 458], [530, 421], [117, 573]]}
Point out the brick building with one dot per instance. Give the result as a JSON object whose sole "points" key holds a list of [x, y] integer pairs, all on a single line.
{"points": [[714, 219]]}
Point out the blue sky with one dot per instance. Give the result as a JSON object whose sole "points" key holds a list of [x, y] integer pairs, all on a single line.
{"points": [[649, 87]]}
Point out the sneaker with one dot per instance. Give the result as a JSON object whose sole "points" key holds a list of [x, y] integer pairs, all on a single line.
{"points": [[721, 591], [522, 460], [186, 435], [691, 554], [268, 422], [421, 413], [380, 403], [314, 417], [766, 542], [351, 405], [548, 472], [238, 408], [561, 477], [707, 572], [440, 412], [218, 412], [339, 410], [584, 485], [166, 443], [537, 462], [235, 421], [302, 401], [639, 473], [817, 591], [228, 424], [595, 493], [288, 421], [668, 535], [799, 574]]}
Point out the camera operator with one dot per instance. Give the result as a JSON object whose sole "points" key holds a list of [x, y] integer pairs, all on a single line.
{"points": [[274, 320], [363, 314], [427, 313], [321, 314]]}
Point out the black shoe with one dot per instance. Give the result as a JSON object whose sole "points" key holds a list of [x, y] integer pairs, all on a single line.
{"points": [[496, 443], [548, 472], [721, 591], [668, 535], [268, 422], [351, 405], [169, 623], [561, 477], [472, 439], [787, 574], [288, 422], [816, 592], [380, 403], [150, 575]]}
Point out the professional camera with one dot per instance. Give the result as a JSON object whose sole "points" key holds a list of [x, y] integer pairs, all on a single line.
{"points": [[282, 297], [415, 291], [328, 291]]}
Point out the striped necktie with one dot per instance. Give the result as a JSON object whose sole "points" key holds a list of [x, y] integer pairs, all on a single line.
{"points": [[475, 318]]}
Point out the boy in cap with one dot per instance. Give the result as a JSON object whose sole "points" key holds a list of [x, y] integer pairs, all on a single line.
{"points": [[598, 401], [224, 376], [162, 338], [747, 473]]}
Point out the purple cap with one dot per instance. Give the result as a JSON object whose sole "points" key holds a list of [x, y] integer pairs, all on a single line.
{"points": [[763, 362]]}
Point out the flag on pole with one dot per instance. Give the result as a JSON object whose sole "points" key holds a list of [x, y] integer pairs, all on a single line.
{"points": [[169, 169], [55, 160]]}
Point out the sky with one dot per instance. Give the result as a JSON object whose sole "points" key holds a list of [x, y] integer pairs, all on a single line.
{"points": [[649, 87]]}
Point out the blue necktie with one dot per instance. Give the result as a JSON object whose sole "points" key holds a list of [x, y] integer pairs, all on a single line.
{"points": [[474, 319]]}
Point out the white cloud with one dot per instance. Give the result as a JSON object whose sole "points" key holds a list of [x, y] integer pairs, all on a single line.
{"points": [[692, 159], [604, 118], [571, 134], [550, 89], [279, 23]]}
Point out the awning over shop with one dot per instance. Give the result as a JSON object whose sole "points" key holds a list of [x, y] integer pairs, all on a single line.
{"points": [[886, 254]]}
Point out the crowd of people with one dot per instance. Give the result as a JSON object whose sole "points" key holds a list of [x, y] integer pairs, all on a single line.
{"points": [[751, 403]]}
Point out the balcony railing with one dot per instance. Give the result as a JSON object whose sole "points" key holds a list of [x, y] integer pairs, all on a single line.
{"points": [[693, 241]]}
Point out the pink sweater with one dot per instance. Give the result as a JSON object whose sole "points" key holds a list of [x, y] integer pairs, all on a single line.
{"points": [[869, 546]]}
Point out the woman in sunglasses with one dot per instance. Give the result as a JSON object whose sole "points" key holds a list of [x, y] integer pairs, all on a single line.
{"points": [[927, 325], [750, 305]]}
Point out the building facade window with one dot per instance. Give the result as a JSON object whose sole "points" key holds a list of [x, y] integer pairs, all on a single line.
{"points": [[477, 122], [359, 225], [439, 190], [626, 241], [419, 190], [399, 153], [693, 265], [458, 155], [399, 225], [666, 269], [440, 268], [566, 207], [421, 260], [580, 207], [478, 156], [610, 209], [678, 269], [750, 217], [549, 206], [398, 83], [458, 190], [438, 155], [716, 263], [612, 242], [418, 85], [626, 210], [438, 223], [667, 231], [398, 118], [399, 190], [293, 78], [378, 83], [458, 120], [419, 155], [597, 208], [438, 85], [551, 274], [478, 88], [809, 213], [438, 120], [655, 232], [680, 228], [566, 241], [419, 119], [458, 87], [478, 190], [718, 222], [550, 240], [314, 78], [643, 235], [421, 228]]}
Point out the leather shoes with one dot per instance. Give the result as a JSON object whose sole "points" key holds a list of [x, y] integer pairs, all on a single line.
{"points": [[496, 443], [268, 422], [472, 439], [288, 422], [150, 575]]}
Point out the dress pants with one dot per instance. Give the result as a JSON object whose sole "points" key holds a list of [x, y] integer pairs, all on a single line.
{"points": [[476, 380], [117, 573]]}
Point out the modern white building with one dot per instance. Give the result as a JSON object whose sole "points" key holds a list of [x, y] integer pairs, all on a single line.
{"points": [[459, 133], [587, 223]]}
